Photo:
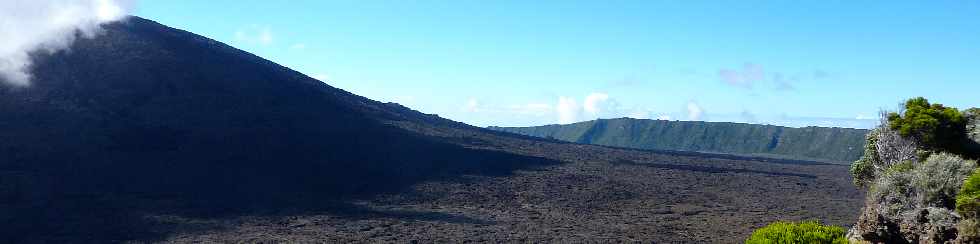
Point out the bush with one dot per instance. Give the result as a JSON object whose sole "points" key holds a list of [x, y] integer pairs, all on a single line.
{"points": [[883, 148], [935, 126], [968, 199], [894, 148], [939, 179], [907, 187], [863, 170], [893, 194], [803, 232], [904, 166]]}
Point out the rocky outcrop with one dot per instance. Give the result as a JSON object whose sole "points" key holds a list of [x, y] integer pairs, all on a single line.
{"points": [[919, 225], [873, 227]]}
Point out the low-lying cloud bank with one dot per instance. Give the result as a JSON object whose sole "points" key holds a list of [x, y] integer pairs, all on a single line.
{"points": [[48, 25]]}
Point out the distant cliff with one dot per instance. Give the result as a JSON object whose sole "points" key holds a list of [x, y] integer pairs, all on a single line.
{"points": [[814, 143]]}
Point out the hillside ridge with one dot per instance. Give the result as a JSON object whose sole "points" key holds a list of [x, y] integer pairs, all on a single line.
{"points": [[806, 143]]}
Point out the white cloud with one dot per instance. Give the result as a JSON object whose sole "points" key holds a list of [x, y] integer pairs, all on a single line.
{"points": [[742, 78], [265, 37], [472, 105], [31, 25], [255, 35], [593, 102], [663, 117], [694, 111], [568, 110], [109, 10]]}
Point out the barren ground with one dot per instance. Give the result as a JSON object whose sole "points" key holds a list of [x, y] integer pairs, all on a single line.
{"points": [[597, 194]]}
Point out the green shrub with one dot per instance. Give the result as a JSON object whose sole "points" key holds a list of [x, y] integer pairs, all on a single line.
{"points": [[904, 166], [863, 170], [803, 232], [935, 126], [893, 194], [968, 199], [938, 180]]}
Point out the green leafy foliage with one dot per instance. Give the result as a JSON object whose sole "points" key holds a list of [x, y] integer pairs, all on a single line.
{"points": [[863, 170], [968, 199], [935, 126], [803, 232]]}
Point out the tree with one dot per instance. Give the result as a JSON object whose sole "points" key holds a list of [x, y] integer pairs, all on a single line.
{"points": [[935, 126]]}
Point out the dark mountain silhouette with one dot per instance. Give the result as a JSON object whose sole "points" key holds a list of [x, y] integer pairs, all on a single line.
{"points": [[145, 110], [808, 143], [151, 133]]}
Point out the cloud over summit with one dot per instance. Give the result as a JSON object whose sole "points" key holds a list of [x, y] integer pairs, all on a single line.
{"points": [[694, 111], [48, 25], [568, 110]]}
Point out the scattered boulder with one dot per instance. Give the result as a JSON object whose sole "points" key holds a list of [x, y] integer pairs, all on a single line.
{"points": [[873, 227]]}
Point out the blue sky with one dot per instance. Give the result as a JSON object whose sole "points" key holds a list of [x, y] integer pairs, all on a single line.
{"points": [[520, 63]]}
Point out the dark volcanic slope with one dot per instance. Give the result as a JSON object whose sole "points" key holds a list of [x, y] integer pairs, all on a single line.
{"points": [[813, 143], [151, 133]]}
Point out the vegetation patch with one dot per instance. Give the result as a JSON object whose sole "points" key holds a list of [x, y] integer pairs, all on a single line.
{"points": [[904, 166], [863, 169], [936, 126], [939, 178], [802, 232], [918, 165], [968, 200]]}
